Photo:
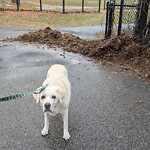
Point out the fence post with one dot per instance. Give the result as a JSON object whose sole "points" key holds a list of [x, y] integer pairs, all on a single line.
{"points": [[82, 5], [106, 25], [99, 6], [40, 5], [105, 4], [18, 4], [120, 17], [110, 19], [63, 6]]}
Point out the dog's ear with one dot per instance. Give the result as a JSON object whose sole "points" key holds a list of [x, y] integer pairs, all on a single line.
{"points": [[36, 97], [61, 94], [36, 94]]}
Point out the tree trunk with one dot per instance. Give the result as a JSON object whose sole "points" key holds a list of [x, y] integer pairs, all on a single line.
{"points": [[147, 31], [141, 17]]}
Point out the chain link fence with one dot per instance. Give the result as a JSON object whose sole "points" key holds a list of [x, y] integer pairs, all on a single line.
{"points": [[130, 17]]}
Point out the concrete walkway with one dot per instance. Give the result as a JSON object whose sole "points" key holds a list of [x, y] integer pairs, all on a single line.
{"points": [[108, 110]]}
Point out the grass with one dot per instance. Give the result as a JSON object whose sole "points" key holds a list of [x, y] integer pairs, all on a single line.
{"points": [[26, 19], [42, 19], [52, 19], [70, 2]]}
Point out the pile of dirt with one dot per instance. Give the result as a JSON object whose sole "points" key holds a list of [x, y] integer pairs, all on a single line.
{"points": [[124, 51]]}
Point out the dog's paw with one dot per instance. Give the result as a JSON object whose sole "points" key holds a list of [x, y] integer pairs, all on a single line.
{"points": [[44, 132], [66, 136]]}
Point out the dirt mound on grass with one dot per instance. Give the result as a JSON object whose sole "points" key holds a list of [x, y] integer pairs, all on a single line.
{"points": [[128, 53]]}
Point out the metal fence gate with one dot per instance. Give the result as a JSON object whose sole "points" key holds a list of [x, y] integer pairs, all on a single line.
{"points": [[124, 16]]}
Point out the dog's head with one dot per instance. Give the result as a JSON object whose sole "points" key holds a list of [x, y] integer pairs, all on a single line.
{"points": [[49, 97]]}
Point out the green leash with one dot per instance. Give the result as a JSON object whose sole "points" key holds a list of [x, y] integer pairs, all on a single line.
{"points": [[15, 96], [21, 95]]}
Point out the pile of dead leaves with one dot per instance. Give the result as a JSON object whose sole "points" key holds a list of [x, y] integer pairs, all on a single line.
{"points": [[123, 51]]}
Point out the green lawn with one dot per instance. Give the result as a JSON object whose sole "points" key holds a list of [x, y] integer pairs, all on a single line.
{"points": [[53, 19], [44, 19]]}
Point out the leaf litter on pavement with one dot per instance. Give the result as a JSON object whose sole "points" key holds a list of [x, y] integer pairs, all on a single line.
{"points": [[125, 52]]}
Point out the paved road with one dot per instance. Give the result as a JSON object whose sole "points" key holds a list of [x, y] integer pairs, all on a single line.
{"points": [[108, 110]]}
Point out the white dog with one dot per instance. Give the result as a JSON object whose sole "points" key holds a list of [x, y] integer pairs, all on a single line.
{"points": [[54, 97]]}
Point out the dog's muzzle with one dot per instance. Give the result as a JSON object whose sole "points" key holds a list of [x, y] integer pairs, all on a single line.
{"points": [[47, 107]]}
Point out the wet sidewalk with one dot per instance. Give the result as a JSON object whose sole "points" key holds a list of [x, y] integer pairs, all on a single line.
{"points": [[108, 110]]}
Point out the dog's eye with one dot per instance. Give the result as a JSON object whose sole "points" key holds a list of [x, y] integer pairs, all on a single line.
{"points": [[43, 97], [53, 97]]}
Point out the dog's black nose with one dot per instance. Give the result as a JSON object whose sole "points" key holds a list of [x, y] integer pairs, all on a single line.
{"points": [[47, 105]]}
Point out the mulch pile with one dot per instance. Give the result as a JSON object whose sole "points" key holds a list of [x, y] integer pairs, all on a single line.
{"points": [[126, 52]]}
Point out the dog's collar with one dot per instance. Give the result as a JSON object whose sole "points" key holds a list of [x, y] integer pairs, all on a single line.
{"points": [[40, 89]]}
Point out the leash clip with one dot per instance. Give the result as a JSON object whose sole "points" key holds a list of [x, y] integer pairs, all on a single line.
{"points": [[40, 89]]}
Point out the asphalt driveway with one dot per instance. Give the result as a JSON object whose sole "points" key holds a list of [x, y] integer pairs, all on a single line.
{"points": [[108, 110]]}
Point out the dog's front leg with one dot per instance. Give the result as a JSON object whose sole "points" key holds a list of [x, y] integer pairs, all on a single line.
{"points": [[46, 124], [66, 134]]}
